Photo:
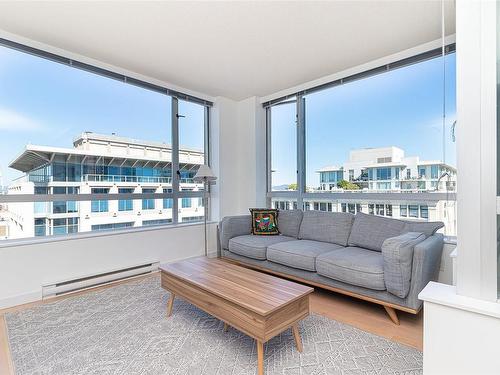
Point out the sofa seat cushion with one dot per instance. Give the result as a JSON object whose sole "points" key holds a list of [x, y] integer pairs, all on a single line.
{"points": [[353, 265], [299, 254], [255, 247]]}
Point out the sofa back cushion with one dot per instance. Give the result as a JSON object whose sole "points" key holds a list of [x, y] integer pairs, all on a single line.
{"points": [[370, 231], [427, 228], [333, 227], [289, 222]]}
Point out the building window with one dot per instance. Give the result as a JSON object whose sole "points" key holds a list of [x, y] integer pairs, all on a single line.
{"points": [[403, 210], [351, 174], [99, 227], [408, 174], [125, 204], [388, 209], [434, 171], [65, 226], [358, 208], [344, 207], [40, 227], [168, 203], [371, 209], [148, 204], [379, 209], [383, 173], [156, 222], [99, 205], [413, 210], [322, 206], [383, 185], [63, 207], [424, 212], [351, 208], [186, 203], [421, 172]]}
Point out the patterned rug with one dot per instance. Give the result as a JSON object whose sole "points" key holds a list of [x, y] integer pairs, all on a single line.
{"points": [[124, 330]]}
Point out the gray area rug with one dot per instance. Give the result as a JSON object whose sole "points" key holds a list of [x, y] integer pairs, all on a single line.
{"points": [[124, 330]]}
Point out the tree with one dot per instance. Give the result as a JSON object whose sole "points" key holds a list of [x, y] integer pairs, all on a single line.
{"points": [[347, 185], [292, 187]]}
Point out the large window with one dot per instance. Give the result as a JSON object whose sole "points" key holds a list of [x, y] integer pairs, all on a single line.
{"points": [[70, 131], [378, 136], [283, 133]]}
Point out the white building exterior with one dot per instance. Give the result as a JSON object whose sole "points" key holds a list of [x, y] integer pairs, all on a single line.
{"points": [[99, 164], [380, 173], [387, 168]]}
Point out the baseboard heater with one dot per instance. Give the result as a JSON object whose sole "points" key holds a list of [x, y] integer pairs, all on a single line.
{"points": [[71, 286]]}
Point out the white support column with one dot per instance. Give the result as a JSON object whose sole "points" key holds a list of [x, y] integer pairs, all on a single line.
{"points": [[476, 148]]}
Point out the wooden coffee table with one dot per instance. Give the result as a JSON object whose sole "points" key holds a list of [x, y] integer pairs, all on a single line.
{"points": [[257, 304]]}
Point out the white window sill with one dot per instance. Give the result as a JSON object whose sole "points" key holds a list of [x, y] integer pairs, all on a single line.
{"points": [[83, 235], [446, 295]]}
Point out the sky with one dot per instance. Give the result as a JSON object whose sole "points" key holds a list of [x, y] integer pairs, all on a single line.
{"points": [[47, 103], [402, 107]]}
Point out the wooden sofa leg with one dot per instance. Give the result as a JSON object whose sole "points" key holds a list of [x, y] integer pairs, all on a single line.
{"points": [[392, 314]]}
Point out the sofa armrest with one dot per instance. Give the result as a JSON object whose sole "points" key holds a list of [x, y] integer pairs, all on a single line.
{"points": [[397, 253], [233, 226], [426, 263]]}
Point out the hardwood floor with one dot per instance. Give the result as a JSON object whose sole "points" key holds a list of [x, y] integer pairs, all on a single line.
{"points": [[369, 317], [363, 315]]}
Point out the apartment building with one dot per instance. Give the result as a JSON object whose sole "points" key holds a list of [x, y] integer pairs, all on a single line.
{"points": [[385, 170], [99, 164]]}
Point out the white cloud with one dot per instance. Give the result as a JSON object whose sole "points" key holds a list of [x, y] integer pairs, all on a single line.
{"points": [[14, 121]]}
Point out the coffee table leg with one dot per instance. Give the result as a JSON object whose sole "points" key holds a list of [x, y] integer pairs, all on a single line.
{"points": [[296, 335], [226, 327], [170, 304], [260, 358]]}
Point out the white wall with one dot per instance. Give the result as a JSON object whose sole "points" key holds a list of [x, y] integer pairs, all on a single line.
{"points": [[461, 336], [24, 269], [238, 155]]}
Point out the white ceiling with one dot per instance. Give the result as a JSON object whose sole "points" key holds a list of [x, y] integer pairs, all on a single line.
{"points": [[231, 49]]}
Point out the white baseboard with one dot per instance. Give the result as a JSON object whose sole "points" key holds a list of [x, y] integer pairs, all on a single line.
{"points": [[21, 299]]}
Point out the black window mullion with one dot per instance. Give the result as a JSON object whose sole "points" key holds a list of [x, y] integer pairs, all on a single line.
{"points": [[175, 159]]}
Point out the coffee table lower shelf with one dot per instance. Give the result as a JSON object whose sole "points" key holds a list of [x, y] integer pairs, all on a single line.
{"points": [[260, 327]]}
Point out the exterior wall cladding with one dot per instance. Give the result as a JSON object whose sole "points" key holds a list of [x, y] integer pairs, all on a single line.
{"points": [[99, 164], [385, 170]]}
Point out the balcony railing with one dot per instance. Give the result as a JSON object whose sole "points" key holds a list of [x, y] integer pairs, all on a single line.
{"points": [[124, 178]]}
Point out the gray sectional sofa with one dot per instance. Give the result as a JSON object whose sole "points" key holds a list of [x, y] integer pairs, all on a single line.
{"points": [[382, 260]]}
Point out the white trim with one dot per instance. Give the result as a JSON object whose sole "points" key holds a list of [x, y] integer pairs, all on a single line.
{"points": [[20, 299], [476, 149], [100, 64], [360, 68], [83, 235], [446, 295]]}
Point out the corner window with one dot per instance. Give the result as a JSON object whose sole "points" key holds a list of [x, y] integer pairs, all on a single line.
{"points": [[113, 135]]}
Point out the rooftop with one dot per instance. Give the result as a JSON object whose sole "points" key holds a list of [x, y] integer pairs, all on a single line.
{"points": [[88, 147]]}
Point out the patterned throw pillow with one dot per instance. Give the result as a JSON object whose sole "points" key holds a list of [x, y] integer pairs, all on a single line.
{"points": [[264, 221]]}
